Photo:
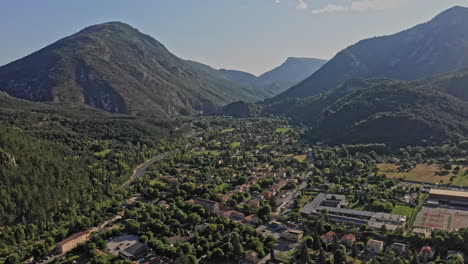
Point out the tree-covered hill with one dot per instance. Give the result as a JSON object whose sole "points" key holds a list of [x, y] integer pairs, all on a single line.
{"points": [[377, 110], [54, 156], [116, 68]]}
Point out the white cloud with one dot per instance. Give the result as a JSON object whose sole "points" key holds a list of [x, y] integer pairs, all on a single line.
{"points": [[277, 1], [361, 6], [301, 4]]}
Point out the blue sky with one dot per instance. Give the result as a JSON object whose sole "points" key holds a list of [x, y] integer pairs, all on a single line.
{"points": [[249, 35]]}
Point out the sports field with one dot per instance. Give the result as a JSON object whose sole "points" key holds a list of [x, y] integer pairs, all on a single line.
{"points": [[429, 173]]}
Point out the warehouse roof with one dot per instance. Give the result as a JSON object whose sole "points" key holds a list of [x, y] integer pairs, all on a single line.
{"points": [[449, 193]]}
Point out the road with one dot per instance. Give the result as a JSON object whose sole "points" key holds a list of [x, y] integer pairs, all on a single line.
{"points": [[142, 168]]}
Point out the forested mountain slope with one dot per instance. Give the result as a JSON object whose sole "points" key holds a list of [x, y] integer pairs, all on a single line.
{"points": [[53, 157], [377, 110]]}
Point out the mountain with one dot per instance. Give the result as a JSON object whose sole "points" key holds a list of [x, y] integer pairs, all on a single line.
{"points": [[293, 70], [438, 46], [273, 82], [377, 110], [114, 67]]}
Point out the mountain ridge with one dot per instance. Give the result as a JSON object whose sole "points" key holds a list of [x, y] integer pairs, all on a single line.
{"points": [[280, 78], [427, 49], [114, 67]]}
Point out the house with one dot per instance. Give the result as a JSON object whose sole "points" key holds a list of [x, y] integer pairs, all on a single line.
{"points": [[374, 246], [348, 239], [426, 252], [292, 235], [254, 203], [252, 258], [422, 231], [398, 248], [234, 215], [73, 241], [209, 205], [250, 219], [136, 251], [328, 237]]}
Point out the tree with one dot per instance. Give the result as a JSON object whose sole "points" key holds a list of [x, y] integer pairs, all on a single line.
{"points": [[13, 258], [322, 257], [309, 241], [339, 256], [132, 226], [354, 250], [264, 212], [454, 259], [304, 257], [316, 245]]}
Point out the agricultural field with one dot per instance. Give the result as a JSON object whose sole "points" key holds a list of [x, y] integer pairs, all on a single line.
{"points": [[283, 129], [429, 173], [235, 145], [300, 158], [227, 130]]}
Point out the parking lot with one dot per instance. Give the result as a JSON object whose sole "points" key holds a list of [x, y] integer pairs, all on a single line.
{"points": [[117, 244]]}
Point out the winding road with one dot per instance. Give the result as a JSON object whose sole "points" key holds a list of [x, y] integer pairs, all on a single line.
{"points": [[142, 168]]}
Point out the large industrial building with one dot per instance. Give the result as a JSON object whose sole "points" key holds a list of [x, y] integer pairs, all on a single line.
{"points": [[448, 198], [334, 205]]}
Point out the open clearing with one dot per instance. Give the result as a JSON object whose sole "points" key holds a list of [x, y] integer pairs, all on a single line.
{"points": [[429, 173], [403, 210], [283, 129], [300, 158]]}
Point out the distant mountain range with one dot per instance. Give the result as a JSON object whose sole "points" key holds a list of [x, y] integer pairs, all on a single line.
{"points": [[116, 68], [400, 89], [288, 74], [438, 46], [377, 111]]}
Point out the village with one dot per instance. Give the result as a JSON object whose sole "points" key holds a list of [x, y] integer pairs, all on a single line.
{"points": [[293, 206]]}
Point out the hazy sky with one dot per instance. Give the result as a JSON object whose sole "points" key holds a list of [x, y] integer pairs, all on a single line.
{"points": [[249, 35]]}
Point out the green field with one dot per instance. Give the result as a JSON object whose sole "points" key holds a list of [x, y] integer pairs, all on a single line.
{"points": [[461, 178], [262, 146], [208, 152], [430, 173], [300, 158], [403, 210], [227, 130], [283, 129], [235, 144], [103, 153]]}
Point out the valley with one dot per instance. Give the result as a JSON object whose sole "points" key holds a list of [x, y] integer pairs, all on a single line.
{"points": [[115, 150]]}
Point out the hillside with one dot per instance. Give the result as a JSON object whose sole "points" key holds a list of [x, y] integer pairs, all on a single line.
{"points": [[438, 46], [273, 82], [52, 156], [116, 68], [377, 110], [393, 113]]}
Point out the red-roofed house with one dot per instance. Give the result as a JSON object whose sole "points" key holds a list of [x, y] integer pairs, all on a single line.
{"points": [[250, 219], [348, 239], [328, 237], [426, 252]]}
